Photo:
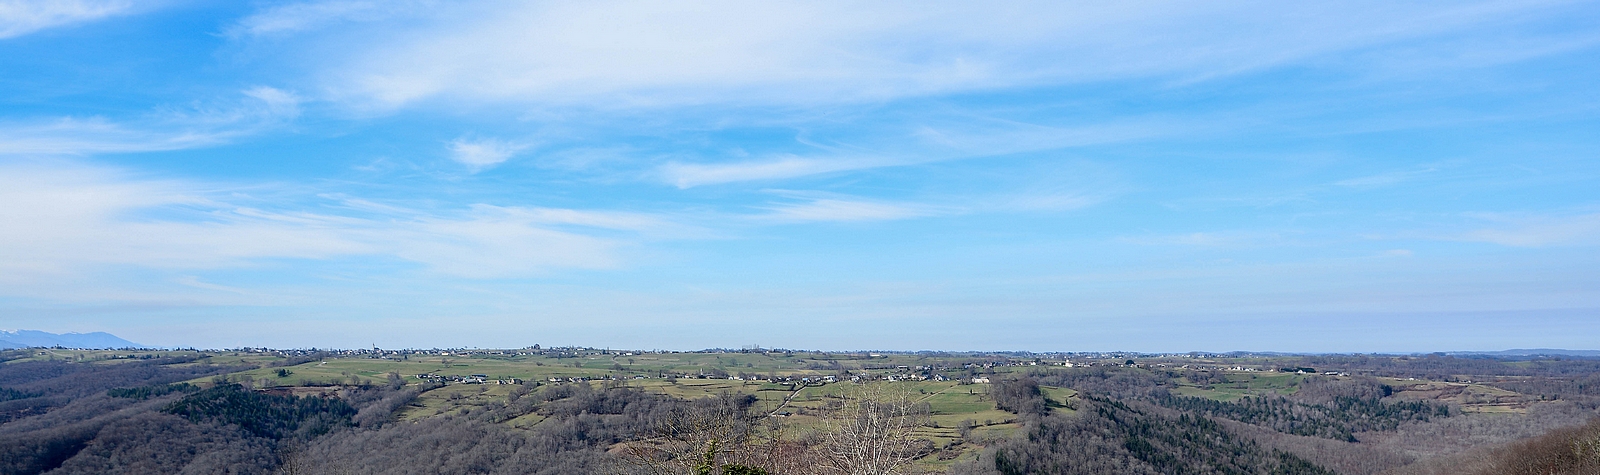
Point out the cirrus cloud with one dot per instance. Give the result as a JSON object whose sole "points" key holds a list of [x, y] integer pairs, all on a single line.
{"points": [[81, 218], [258, 108], [1537, 230], [478, 154], [21, 17], [631, 53]]}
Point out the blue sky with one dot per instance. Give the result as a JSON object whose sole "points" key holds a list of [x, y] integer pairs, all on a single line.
{"points": [[1054, 176]]}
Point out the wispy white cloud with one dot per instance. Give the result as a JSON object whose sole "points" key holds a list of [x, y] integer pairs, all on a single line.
{"points": [[1385, 179], [95, 135], [21, 17], [816, 207], [86, 215], [977, 135], [1209, 239], [194, 281], [646, 224], [479, 154], [272, 104], [1053, 200], [641, 53], [203, 125], [84, 218], [688, 175], [926, 144], [297, 17], [494, 245], [1537, 230]]}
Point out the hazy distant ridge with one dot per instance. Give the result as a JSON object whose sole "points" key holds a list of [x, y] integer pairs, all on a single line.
{"points": [[1537, 352], [35, 338]]}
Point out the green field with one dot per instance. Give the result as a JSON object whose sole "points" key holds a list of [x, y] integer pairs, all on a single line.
{"points": [[1240, 384], [798, 393], [789, 384], [951, 404]]}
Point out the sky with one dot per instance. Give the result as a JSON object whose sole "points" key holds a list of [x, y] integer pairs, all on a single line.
{"points": [[1364, 176]]}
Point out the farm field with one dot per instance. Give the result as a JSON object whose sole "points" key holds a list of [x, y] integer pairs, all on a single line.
{"points": [[961, 397]]}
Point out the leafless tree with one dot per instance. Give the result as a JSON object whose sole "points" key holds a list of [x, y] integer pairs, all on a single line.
{"points": [[870, 431], [699, 437]]}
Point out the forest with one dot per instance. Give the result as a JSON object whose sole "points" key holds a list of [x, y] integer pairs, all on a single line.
{"points": [[791, 412]]}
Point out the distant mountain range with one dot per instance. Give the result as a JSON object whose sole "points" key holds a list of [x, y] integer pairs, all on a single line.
{"points": [[34, 338]]}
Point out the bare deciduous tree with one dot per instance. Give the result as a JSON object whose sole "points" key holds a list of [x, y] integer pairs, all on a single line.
{"points": [[871, 431], [698, 437]]}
